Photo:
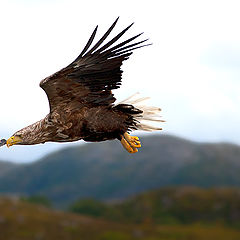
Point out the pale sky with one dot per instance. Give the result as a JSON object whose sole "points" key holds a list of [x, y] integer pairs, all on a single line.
{"points": [[191, 71]]}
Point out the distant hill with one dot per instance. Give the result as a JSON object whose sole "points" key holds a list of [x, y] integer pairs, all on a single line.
{"points": [[6, 166], [105, 171]]}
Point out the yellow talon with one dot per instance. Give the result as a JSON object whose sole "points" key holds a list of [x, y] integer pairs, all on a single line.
{"points": [[135, 137], [130, 143], [132, 140], [127, 146]]}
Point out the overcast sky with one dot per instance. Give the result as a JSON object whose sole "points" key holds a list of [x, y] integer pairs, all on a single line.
{"points": [[191, 71]]}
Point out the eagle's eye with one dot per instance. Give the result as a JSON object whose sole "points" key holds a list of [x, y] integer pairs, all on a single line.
{"points": [[18, 135]]}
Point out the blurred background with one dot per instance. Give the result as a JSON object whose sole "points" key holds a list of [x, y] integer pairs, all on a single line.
{"points": [[184, 182]]}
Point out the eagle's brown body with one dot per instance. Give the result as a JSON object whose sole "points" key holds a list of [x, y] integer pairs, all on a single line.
{"points": [[89, 124], [81, 100]]}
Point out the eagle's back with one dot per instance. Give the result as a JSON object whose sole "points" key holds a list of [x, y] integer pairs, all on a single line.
{"points": [[94, 124]]}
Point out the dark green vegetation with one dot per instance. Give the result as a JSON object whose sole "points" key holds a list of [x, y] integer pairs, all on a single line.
{"points": [[24, 221], [92, 208], [182, 205], [39, 200], [105, 171]]}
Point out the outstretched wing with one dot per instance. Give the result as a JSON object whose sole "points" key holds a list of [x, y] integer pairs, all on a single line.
{"points": [[89, 79]]}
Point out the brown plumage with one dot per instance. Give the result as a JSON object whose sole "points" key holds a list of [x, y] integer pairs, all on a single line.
{"points": [[81, 99]]}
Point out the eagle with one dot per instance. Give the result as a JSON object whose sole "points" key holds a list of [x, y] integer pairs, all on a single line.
{"points": [[82, 105]]}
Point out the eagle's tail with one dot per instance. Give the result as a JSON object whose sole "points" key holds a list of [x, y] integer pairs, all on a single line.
{"points": [[144, 117]]}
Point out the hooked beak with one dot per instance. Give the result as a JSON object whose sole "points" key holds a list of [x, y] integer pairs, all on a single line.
{"points": [[13, 140]]}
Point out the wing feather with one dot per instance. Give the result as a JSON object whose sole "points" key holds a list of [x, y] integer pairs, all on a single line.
{"points": [[89, 79], [88, 43], [103, 38], [113, 40]]}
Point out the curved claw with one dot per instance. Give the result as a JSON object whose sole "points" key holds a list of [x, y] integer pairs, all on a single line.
{"points": [[130, 143]]}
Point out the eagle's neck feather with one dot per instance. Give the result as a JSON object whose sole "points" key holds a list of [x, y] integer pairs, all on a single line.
{"points": [[38, 132]]}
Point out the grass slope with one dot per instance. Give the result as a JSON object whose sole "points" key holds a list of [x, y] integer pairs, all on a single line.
{"points": [[24, 221]]}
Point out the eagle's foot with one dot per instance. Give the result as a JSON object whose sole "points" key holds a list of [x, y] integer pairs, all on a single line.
{"points": [[130, 143]]}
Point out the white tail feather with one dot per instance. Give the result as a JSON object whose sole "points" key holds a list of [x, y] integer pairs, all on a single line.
{"points": [[150, 114]]}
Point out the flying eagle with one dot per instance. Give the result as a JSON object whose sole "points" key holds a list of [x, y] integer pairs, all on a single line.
{"points": [[82, 103]]}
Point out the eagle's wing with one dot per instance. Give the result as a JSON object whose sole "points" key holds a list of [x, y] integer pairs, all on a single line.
{"points": [[89, 79]]}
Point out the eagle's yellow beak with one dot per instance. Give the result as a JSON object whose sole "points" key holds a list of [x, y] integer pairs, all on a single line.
{"points": [[13, 140]]}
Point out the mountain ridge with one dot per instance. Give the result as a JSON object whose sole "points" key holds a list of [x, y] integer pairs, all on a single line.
{"points": [[105, 171]]}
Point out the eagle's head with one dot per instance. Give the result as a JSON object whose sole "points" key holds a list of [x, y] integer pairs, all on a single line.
{"points": [[17, 138], [24, 138], [32, 134]]}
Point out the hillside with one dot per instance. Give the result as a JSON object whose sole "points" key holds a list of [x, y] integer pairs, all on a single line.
{"points": [[170, 205], [105, 171], [6, 166], [23, 221]]}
